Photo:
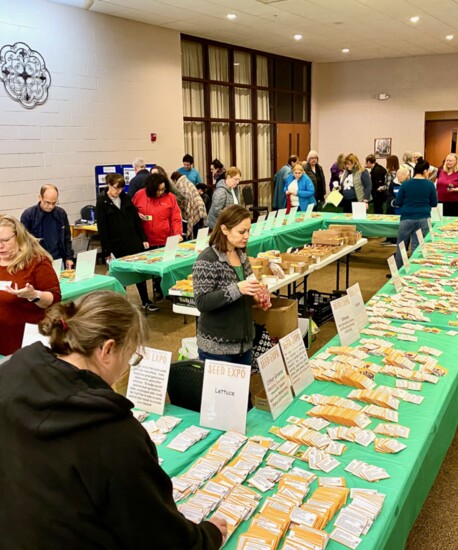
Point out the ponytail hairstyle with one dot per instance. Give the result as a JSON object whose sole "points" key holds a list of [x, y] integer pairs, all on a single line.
{"points": [[421, 166], [84, 325]]}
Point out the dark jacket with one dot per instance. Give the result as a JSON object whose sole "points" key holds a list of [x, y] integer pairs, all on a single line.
{"points": [[318, 180], [77, 470], [137, 182], [120, 229], [378, 176], [32, 218], [225, 314]]}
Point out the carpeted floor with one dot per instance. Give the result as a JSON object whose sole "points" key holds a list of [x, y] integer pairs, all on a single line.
{"points": [[436, 528]]}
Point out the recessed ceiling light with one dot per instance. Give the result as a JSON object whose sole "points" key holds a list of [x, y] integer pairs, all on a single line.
{"points": [[414, 19], [231, 16], [450, 36], [345, 50], [297, 37], [236, 64]]}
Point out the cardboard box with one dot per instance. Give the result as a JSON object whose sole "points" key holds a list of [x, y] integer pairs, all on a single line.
{"points": [[280, 319], [261, 402], [327, 236], [297, 258]]}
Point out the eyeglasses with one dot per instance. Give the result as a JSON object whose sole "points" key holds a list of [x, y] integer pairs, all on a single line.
{"points": [[4, 241], [49, 203], [135, 359]]}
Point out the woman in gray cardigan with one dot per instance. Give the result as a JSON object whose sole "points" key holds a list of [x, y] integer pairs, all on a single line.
{"points": [[224, 290], [224, 195]]}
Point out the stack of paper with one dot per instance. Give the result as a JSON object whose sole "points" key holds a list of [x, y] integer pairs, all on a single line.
{"points": [[366, 471]]}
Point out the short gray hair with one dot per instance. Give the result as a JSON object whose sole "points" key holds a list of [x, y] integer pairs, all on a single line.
{"points": [[313, 154], [139, 162]]}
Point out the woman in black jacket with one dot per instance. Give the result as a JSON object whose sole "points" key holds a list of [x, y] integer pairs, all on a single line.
{"points": [[120, 228], [75, 465]]}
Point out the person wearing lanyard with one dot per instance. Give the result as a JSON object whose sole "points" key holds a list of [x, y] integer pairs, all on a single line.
{"points": [[224, 195]]}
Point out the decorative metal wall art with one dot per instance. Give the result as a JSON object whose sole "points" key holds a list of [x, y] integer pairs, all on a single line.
{"points": [[24, 74]]}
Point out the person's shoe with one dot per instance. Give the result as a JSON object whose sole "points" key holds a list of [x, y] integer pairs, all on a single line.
{"points": [[150, 306], [387, 242]]}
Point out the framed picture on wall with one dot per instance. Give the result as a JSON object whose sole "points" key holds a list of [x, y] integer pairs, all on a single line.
{"points": [[382, 147]]}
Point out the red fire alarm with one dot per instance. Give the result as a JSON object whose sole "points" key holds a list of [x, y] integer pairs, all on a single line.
{"points": [[153, 137]]}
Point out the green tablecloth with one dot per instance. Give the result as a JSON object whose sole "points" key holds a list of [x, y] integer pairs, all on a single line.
{"points": [[171, 271], [175, 462], [73, 289], [413, 470], [385, 227]]}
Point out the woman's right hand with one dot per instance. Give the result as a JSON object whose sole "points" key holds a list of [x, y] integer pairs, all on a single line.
{"points": [[143, 217], [249, 288], [222, 526]]}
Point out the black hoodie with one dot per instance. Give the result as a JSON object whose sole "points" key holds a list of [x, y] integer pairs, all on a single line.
{"points": [[77, 471]]}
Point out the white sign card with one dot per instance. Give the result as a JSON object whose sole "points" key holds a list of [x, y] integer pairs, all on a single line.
{"points": [[431, 230], [85, 265], [57, 266], [259, 225], [421, 241], [357, 301], [292, 215], [225, 396], [5, 284], [201, 241], [276, 382], [308, 212], [32, 335], [270, 221], [281, 214], [359, 210], [296, 360], [171, 247], [395, 278], [437, 213], [405, 258], [344, 317], [148, 380]]}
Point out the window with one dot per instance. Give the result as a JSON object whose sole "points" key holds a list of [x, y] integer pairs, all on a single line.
{"points": [[232, 99]]}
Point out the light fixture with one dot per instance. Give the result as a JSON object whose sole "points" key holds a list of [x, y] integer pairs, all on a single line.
{"points": [[297, 37], [382, 97], [231, 16], [450, 37], [345, 50], [414, 19], [236, 64]]}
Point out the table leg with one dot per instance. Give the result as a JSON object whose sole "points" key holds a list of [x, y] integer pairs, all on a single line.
{"points": [[337, 276]]}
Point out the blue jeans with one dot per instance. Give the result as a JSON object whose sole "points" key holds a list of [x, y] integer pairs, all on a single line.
{"points": [[407, 233], [241, 358]]}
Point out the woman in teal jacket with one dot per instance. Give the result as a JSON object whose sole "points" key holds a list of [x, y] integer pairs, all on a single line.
{"points": [[299, 188]]}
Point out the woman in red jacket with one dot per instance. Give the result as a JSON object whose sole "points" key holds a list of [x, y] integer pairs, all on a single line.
{"points": [[160, 214], [159, 210], [447, 185]]}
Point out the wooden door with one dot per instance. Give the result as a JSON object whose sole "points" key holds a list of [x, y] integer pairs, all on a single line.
{"points": [[440, 140], [292, 139]]}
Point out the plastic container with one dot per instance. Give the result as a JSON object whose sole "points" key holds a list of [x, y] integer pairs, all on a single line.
{"points": [[319, 305]]}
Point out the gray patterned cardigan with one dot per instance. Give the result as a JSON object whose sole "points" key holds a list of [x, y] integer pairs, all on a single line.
{"points": [[225, 324]]}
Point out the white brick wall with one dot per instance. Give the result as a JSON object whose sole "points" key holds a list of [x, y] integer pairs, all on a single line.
{"points": [[114, 82]]}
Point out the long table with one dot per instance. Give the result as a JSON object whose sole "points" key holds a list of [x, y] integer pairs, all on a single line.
{"points": [[290, 280], [412, 471]]}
